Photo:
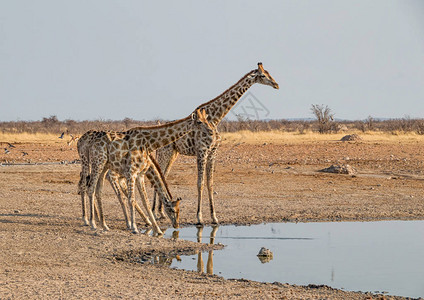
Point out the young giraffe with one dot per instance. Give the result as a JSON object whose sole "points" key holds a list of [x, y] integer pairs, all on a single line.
{"points": [[154, 174], [156, 178], [128, 155], [205, 146]]}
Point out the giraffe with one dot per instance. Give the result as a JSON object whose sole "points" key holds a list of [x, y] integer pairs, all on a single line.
{"points": [[205, 147], [154, 174], [156, 178], [128, 155]]}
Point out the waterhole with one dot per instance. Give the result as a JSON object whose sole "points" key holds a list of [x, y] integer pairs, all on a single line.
{"points": [[379, 257]]}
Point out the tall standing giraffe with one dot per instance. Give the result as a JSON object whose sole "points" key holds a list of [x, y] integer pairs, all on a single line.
{"points": [[154, 174], [204, 147], [128, 155]]}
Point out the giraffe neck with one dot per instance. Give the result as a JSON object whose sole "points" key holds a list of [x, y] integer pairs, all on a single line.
{"points": [[217, 108], [155, 137], [155, 176]]}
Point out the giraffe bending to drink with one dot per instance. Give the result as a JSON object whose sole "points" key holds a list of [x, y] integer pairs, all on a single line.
{"points": [[128, 153], [204, 147], [154, 174]]}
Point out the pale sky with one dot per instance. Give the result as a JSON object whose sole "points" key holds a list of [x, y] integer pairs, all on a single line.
{"points": [[86, 60]]}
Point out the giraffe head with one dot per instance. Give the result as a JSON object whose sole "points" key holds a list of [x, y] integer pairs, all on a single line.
{"points": [[172, 209], [263, 77]]}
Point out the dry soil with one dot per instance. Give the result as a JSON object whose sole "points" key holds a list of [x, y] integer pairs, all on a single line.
{"points": [[47, 253]]}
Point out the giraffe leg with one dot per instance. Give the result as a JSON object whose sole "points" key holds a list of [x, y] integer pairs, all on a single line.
{"points": [[123, 187], [142, 215], [82, 187], [201, 161], [131, 201], [154, 204], [96, 212], [91, 188], [84, 209], [96, 170], [84, 154], [83, 193], [114, 182], [140, 182], [99, 189], [210, 168], [137, 206], [165, 157]]}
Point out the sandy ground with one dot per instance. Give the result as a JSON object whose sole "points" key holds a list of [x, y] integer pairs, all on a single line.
{"points": [[46, 253]]}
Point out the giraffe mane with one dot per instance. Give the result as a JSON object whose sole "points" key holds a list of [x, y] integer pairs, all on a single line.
{"points": [[220, 95], [161, 125]]}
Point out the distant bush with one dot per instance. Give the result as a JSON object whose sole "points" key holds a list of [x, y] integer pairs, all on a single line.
{"points": [[55, 126], [325, 119]]}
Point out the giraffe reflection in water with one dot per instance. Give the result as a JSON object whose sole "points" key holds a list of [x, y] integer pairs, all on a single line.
{"points": [[167, 260], [209, 264]]}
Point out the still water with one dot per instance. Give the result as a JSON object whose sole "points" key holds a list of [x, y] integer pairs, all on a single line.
{"points": [[384, 257]]}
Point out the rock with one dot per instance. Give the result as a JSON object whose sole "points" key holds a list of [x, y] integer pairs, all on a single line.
{"points": [[351, 137], [265, 252], [265, 255], [340, 169]]}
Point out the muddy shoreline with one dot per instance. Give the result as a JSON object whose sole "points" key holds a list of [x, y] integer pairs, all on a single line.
{"points": [[47, 253]]}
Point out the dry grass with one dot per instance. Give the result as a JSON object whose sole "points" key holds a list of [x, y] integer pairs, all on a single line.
{"points": [[48, 138], [255, 138], [280, 137]]}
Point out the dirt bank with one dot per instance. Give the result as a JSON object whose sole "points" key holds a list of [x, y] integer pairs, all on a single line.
{"points": [[47, 253]]}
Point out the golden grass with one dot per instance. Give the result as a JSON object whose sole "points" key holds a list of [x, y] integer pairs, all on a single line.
{"points": [[280, 137], [33, 138], [274, 137]]}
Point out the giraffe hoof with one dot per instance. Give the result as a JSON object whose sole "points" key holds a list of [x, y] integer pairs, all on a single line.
{"points": [[134, 231], [199, 224], [106, 228]]}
